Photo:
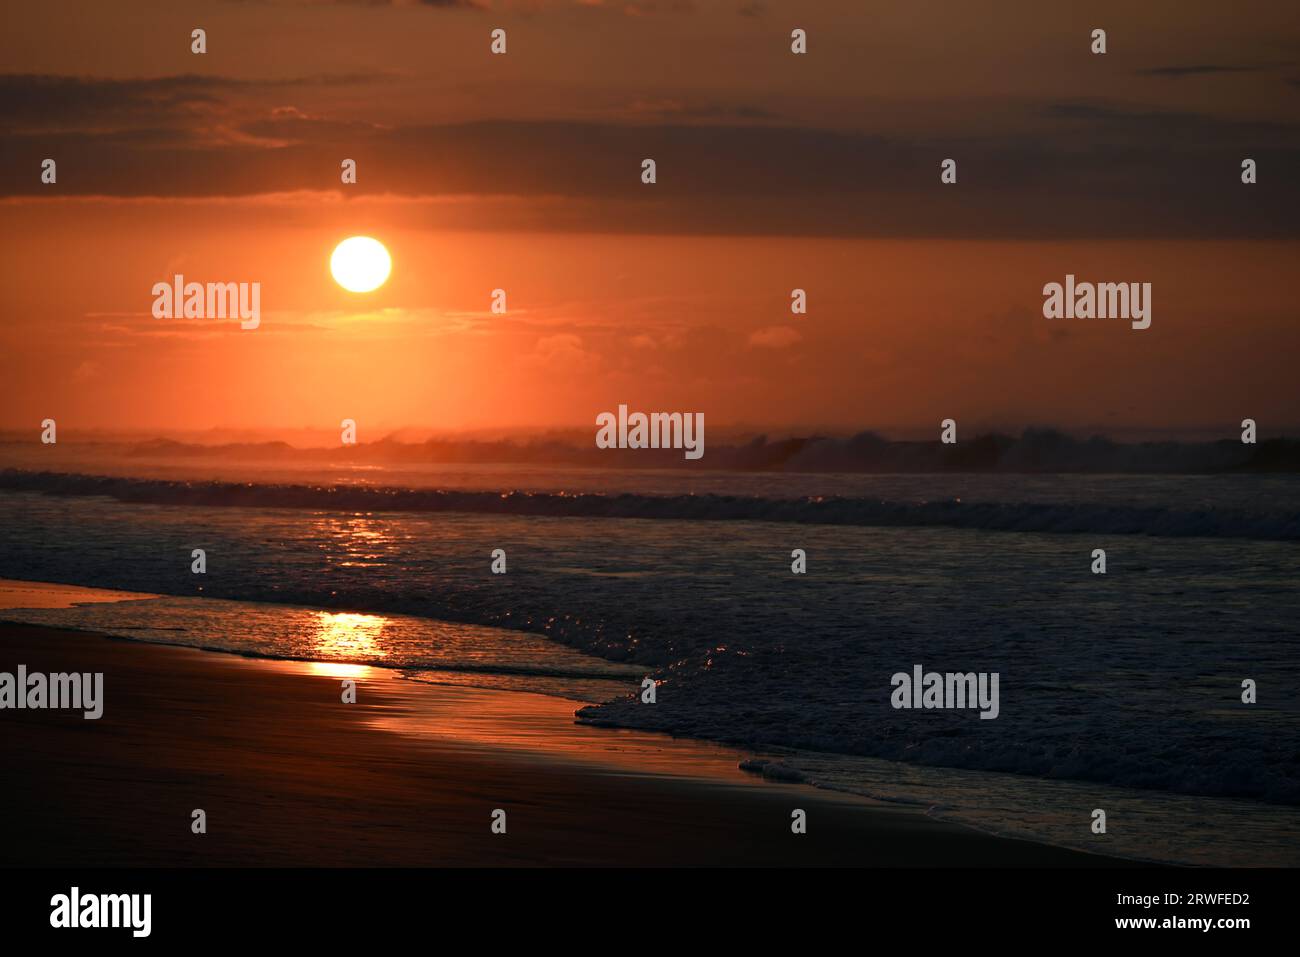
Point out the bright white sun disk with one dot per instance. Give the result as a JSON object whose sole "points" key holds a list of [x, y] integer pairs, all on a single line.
{"points": [[360, 264]]}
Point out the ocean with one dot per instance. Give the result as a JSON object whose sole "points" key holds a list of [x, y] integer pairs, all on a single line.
{"points": [[1120, 691]]}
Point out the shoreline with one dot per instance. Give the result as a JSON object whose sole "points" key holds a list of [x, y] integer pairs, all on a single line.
{"points": [[409, 775]]}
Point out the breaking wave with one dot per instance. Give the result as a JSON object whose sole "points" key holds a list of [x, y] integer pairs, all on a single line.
{"points": [[1039, 517]]}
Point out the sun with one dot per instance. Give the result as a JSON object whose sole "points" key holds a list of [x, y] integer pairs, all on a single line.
{"points": [[360, 264]]}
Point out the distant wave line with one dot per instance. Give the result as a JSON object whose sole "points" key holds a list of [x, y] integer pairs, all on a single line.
{"points": [[1051, 518]]}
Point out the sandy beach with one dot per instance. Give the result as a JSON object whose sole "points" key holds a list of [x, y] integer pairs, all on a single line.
{"points": [[409, 775]]}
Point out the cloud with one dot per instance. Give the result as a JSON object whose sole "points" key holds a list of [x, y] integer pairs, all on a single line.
{"points": [[1074, 168], [186, 102], [563, 352], [436, 4], [679, 109], [1199, 69], [775, 337]]}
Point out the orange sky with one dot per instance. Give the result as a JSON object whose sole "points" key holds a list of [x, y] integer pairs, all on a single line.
{"points": [[924, 300]]}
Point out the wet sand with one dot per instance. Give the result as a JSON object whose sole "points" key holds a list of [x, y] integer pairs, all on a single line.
{"points": [[409, 775]]}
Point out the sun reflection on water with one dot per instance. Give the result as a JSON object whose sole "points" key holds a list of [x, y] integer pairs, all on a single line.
{"points": [[337, 669], [349, 635], [356, 541]]}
